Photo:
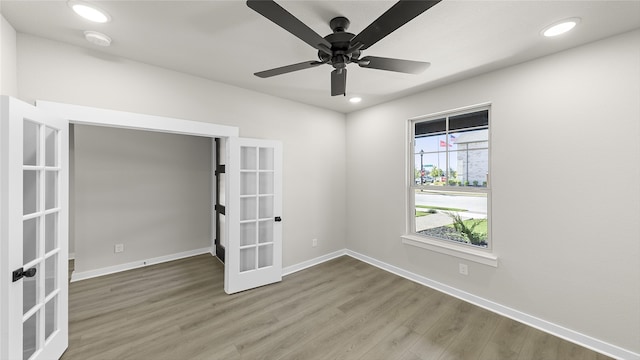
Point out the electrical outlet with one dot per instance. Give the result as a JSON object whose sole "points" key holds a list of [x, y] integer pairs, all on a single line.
{"points": [[314, 242], [118, 248], [463, 269]]}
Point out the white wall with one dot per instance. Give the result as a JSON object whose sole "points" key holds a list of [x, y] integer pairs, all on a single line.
{"points": [[565, 177], [314, 180], [8, 79], [148, 191]]}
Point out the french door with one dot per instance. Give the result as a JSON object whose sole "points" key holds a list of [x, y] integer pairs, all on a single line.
{"points": [[34, 230], [253, 214]]}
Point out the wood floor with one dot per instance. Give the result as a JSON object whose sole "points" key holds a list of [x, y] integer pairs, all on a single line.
{"points": [[341, 309]]}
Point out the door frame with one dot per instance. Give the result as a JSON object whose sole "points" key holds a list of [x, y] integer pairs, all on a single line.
{"points": [[84, 115]]}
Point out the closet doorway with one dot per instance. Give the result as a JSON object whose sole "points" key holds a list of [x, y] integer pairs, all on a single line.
{"points": [[137, 198]]}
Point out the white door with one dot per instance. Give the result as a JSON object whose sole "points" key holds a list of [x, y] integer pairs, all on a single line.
{"points": [[253, 212], [34, 230]]}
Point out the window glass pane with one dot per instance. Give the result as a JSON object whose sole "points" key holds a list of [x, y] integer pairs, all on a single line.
{"points": [[431, 143], [433, 165], [430, 127], [454, 216], [470, 120], [469, 161]]}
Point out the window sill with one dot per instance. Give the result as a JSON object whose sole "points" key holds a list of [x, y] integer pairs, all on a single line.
{"points": [[443, 247]]}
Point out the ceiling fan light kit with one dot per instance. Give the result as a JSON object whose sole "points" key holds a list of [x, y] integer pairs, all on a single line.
{"points": [[341, 47]]}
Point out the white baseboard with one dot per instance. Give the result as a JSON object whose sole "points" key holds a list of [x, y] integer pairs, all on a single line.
{"points": [[77, 276], [543, 325], [313, 262]]}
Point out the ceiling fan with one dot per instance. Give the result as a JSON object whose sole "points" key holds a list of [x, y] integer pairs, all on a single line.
{"points": [[342, 48]]}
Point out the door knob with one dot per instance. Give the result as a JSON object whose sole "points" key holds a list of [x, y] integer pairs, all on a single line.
{"points": [[30, 273]]}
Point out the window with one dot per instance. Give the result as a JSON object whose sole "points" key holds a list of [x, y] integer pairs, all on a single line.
{"points": [[450, 187]]}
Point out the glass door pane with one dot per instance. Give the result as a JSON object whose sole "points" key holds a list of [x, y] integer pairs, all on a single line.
{"points": [[31, 143], [50, 317], [29, 336], [51, 147], [30, 191], [30, 293]]}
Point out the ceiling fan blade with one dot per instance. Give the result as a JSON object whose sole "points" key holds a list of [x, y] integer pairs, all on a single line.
{"points": [[339, 82], [399, 14], [288, 69], [403, 66], [281, 17]]}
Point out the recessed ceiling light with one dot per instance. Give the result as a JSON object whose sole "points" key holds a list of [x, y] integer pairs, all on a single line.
{"points": [[560, 27], [355, 100], [89, 11], [97, 38]]}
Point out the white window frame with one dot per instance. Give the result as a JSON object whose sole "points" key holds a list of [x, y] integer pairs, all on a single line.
{"points": [[483, 255]]}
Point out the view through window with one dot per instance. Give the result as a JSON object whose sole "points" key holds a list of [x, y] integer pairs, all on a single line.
{"points": [[450, 188]]}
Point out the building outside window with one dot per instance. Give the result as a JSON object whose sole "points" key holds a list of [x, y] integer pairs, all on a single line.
{"points": [[450, 191]]}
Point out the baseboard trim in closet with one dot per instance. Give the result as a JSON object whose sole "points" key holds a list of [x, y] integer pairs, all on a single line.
{"points": [[77, 275]]}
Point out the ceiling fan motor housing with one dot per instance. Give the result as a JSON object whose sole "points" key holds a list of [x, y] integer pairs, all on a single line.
{"points": [[340, 43]]}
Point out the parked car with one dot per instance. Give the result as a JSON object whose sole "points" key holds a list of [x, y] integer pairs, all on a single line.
{"points": [[425, 179]]}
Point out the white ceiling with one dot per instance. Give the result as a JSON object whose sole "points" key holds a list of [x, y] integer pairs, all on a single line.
{"points": [[227, 42]]}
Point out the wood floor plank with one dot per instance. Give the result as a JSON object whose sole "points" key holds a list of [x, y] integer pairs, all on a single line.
{"points": [[437, 339], [392, 346], [474, 336], [539, 345], [341, 309], [433, 305], [506, 341]]}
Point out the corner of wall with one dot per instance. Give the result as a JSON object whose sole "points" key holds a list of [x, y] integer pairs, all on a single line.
{"points": [[8, 59]]}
